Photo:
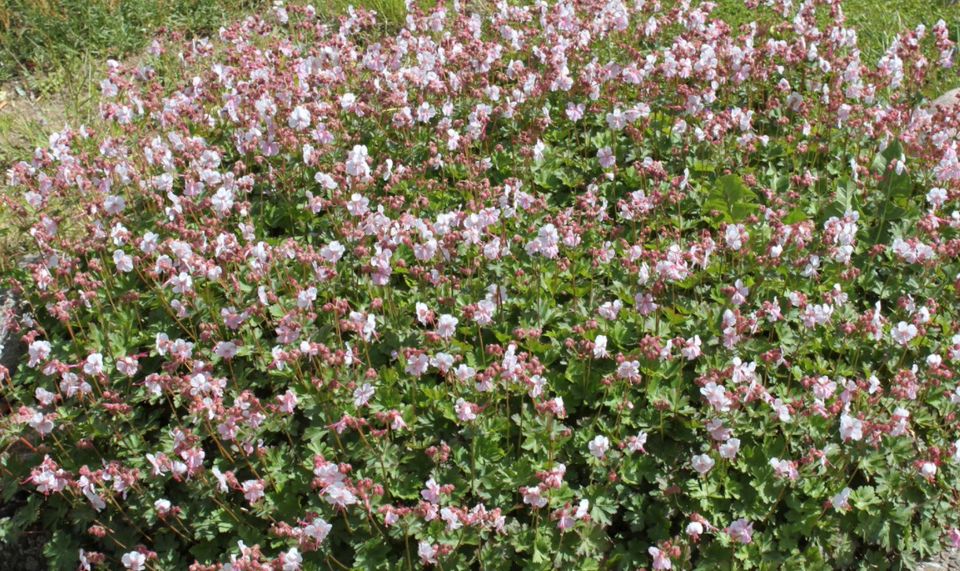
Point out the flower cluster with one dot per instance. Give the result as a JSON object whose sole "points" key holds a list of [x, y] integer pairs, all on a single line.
{"points": [[596, 284]]}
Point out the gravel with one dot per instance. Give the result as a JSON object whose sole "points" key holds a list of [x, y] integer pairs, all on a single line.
{"points": [[11, 348]]}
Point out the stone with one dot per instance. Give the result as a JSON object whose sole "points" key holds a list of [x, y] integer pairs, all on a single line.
{"points": [[949, 100], [11, 347], [946, 560]]}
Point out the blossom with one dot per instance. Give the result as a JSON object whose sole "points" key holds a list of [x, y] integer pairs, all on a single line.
{"points": [[717, 396], [363, 394], [427, 553], [253, 490], [784, 468], [850, 428], [299, 118], [123, 262], [629, 370], [466, 411], [446, 326], [730, 448], [740, 531], [93, 364], [134, 560], [163, 506], [533, 496], [953, 535], [903, 333], [600, 347], [317, 530], [292, 560], [636, 443], [660, 558], [38, 351], [431, 492], [841, 500], [702, 463], [356, 165], [734, 236], [599, 446], [606, 157]]}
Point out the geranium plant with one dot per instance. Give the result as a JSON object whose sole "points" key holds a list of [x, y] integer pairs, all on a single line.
{"points": [[595, 285]]}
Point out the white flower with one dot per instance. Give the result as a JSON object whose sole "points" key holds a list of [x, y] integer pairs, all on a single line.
{"points": [[466, 411], [841, 500], [734, 235], [317, 530], [599, 446], [446, 326], [356, 165], [162, 506], [427, 552], [134, 560], [600, 347], [123, 262], [38, 351], [729, 449], [363, 394], [292, 560], [702, 463], [299, 118], [538, 151], [903, 333], [850, 428], [94, 364]]}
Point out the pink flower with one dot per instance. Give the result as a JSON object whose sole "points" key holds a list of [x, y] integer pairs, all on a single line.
{"points": [[446, 326], [607, 158], [427, 553], [629, 370], [953, 536], [317, 530], [784, 468], [533, 496], [466, 411], [636, 443], [431, 492], [356, 165], [253, 490], [39, 351], [741, 531], [660, 558], [717, 396]]}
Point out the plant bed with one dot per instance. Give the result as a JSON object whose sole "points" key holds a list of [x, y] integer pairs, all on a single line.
{"points": [[601, 286]]}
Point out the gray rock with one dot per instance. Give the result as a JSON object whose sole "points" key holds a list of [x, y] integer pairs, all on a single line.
{"points": [[949, 100], [947, 560], [11, 347]]}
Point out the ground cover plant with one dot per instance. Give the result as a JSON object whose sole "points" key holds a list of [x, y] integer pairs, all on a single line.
{"points": [[599, 285]]}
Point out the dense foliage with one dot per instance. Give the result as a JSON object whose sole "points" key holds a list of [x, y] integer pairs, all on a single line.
{"points": [[584, 284]]}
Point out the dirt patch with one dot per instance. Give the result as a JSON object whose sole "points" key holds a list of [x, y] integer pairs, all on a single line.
{"points": [[25, 122]]}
